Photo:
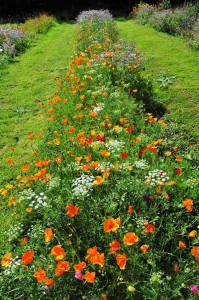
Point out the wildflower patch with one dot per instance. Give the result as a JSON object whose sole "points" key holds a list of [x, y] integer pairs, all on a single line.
{"points": [[103, 212]]}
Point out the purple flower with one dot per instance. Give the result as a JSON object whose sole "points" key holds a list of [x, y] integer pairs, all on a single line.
{"points": [[194, 289], [78, 275]]}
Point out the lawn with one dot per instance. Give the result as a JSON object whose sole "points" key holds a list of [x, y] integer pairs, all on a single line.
{"points": [[168, 57], [27, 83]]}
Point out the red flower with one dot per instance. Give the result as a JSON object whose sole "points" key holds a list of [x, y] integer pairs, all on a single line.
{"points": [[124, 155]]}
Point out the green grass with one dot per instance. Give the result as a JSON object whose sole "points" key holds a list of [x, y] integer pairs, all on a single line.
{"points": [[170, 56], [27, 82]]}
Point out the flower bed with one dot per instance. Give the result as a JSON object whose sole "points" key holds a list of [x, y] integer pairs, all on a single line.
{"points": [[108, 208], [15, 39]]}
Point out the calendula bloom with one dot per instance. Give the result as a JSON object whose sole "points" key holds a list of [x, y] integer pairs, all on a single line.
{"points": [[24, 241], [168, 153], [149, 228], [58, 252], [112, 224], [188, 204], [181, 245], [25, 168], [130, 238], [115, 245], [98, 180], [121, 260], [12, 202], [80, 266], [97, 259], [89, 276], [92, 251], [63, 266], [176, 268], [10, 160], [72, 210], [193, 234], [28, 257], [195, 252], [104, 297], [6, 260], [58, 160], [29, 209], [48, 234], [130, 209], [49, 282], [144, 248], [105, 153], [40, 275]]}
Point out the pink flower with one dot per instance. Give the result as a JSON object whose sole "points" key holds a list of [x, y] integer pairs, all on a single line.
{"points": [[78, 275], [194, 289]]}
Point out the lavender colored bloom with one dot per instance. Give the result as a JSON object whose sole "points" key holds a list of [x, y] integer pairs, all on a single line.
{"points": [[94, 15], [78, 275], [194, 289]]}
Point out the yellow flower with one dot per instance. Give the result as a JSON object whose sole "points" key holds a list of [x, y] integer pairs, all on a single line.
{"points": [[192, 234], [131, 289]]}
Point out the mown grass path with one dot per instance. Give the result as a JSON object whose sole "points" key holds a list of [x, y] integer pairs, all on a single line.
{"points": [[171, 56], [26, 83]]}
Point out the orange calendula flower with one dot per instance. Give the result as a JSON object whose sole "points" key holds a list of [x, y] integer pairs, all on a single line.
{"points": [[149, 228], [193, 234], [130, 238], [181, 245], [63, 266], [115, 245], [10, 160], [105, 153], [188, 204], [91, 252], [176, 268], [80, 266], [12, 202], [25, 168], [168, 153], [58, 160], [48, 234], [112, 224], [97, 259], [6, 260], [28, 257], [28, 209], [121, 260], [144, 248], [195, 252], [89, 276], [49, 282], [24, 241], [72, 210], [98, 180], [130, 209], [104, 297], [40, 275], [58, 252]]}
